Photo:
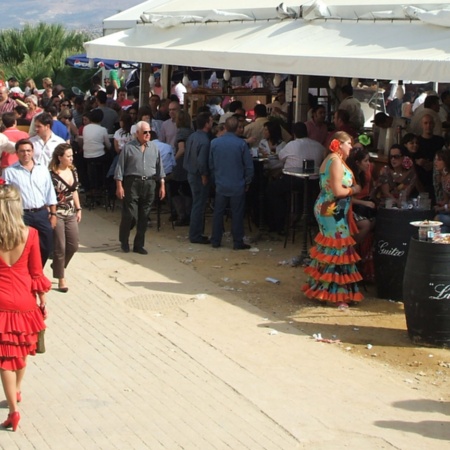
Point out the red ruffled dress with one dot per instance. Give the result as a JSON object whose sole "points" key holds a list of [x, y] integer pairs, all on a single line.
{"points": [[20, 316]]}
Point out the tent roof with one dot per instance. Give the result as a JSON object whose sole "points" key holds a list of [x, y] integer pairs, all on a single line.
{"points": [[257, 8], [400, 49]]}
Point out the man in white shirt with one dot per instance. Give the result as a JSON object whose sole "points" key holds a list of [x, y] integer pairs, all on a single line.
{"points": [[179, 90], [168, 132], [353, 107], [292, 157], [45, 141]]}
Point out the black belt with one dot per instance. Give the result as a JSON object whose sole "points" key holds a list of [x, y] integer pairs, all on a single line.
{"points": [[33, 210], [138, 177]]}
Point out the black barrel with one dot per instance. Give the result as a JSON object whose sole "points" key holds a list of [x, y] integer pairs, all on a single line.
{"points": [[392, 234], [426, 293]]}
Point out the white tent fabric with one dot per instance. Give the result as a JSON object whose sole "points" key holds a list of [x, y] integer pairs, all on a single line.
{"points": [[399, 49], [267, 9]]}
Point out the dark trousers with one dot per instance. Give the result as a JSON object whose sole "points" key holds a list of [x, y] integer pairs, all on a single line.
{"points": [[96, 171], [199, 197], [237, 205], [139, 196], [277, 200], [40, 221]]}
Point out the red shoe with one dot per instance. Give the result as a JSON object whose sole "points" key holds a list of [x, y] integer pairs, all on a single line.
{"points": [[19, 396], [12, 421]]}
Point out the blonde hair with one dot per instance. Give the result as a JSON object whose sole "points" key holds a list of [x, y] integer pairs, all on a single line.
{"points": [[342, 137], [47, 81], [12, 231], [32, 83]]}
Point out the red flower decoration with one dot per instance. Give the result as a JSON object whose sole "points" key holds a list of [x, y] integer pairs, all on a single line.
{"points": [[407, 162], [2, 181], [335, 145]]}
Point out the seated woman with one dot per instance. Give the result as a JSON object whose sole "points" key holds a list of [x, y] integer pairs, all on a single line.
{"points": [[364, 207], [272, 142], [398, 177], [270, 146], [411, 143], [442, 168]]}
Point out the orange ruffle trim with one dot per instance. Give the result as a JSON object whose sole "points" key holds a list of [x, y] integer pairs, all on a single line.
{"points": [[334, 242], [346, 258], [333, 277], [325, 296]]}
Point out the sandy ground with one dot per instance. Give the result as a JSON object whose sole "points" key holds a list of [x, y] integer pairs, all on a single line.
{"points": [[376, 329]]}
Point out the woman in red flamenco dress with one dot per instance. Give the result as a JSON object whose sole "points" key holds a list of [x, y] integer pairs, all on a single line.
{"points": [[21, 278]]}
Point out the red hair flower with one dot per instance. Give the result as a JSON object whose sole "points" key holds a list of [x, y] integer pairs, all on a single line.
{"points": [[407, 162], [2, 181], [335, 145]]}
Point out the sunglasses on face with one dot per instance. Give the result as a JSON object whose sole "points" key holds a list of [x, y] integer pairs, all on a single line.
{"points": [[146, 132], [396, 156]]}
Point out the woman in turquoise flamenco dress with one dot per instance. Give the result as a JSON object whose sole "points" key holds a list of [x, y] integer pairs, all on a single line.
{"points": [[332, 273]]}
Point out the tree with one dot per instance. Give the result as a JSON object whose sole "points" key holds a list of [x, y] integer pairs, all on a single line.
{"points": [[39, 51]]}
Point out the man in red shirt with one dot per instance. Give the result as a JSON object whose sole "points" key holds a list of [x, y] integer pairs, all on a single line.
{"points": [[11, 131], [13, 134], [122, 99]]}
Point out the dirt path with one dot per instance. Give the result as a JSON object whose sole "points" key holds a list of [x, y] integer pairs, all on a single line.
{"points": [[376, 329]]}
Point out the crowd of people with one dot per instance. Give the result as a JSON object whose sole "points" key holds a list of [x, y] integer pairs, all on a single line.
{"points": [[56, 145]]}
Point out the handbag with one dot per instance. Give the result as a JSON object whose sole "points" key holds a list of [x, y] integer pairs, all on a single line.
{"points": [[40, 345]]}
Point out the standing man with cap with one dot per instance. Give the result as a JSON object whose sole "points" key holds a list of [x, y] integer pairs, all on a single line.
{"points": [[138, 169], [37, 192]]}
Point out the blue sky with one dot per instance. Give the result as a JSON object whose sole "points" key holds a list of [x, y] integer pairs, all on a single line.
{"points": [[78, 14]]}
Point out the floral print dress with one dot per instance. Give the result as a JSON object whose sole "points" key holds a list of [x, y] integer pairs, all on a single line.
{"points": [[332, 273]]}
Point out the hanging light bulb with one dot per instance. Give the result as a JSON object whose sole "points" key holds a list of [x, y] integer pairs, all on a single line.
{"points": [[354, 82], [185, 80], [151, 81], [226, 75], [332, 82], [276, 79]]}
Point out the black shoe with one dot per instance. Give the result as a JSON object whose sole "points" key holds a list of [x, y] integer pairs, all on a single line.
{"points": [[241, 247], [202, 240], [213, 245], [140, 250], [181, 223], [125, 248]]}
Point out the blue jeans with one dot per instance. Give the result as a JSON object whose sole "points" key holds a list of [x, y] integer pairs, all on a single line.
{"points": [[445, 219], [199, 198], [41, 222], [237, 205]]}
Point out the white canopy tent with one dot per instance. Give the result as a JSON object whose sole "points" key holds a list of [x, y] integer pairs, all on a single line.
{"points": [[375, 40], [353, 49]]}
